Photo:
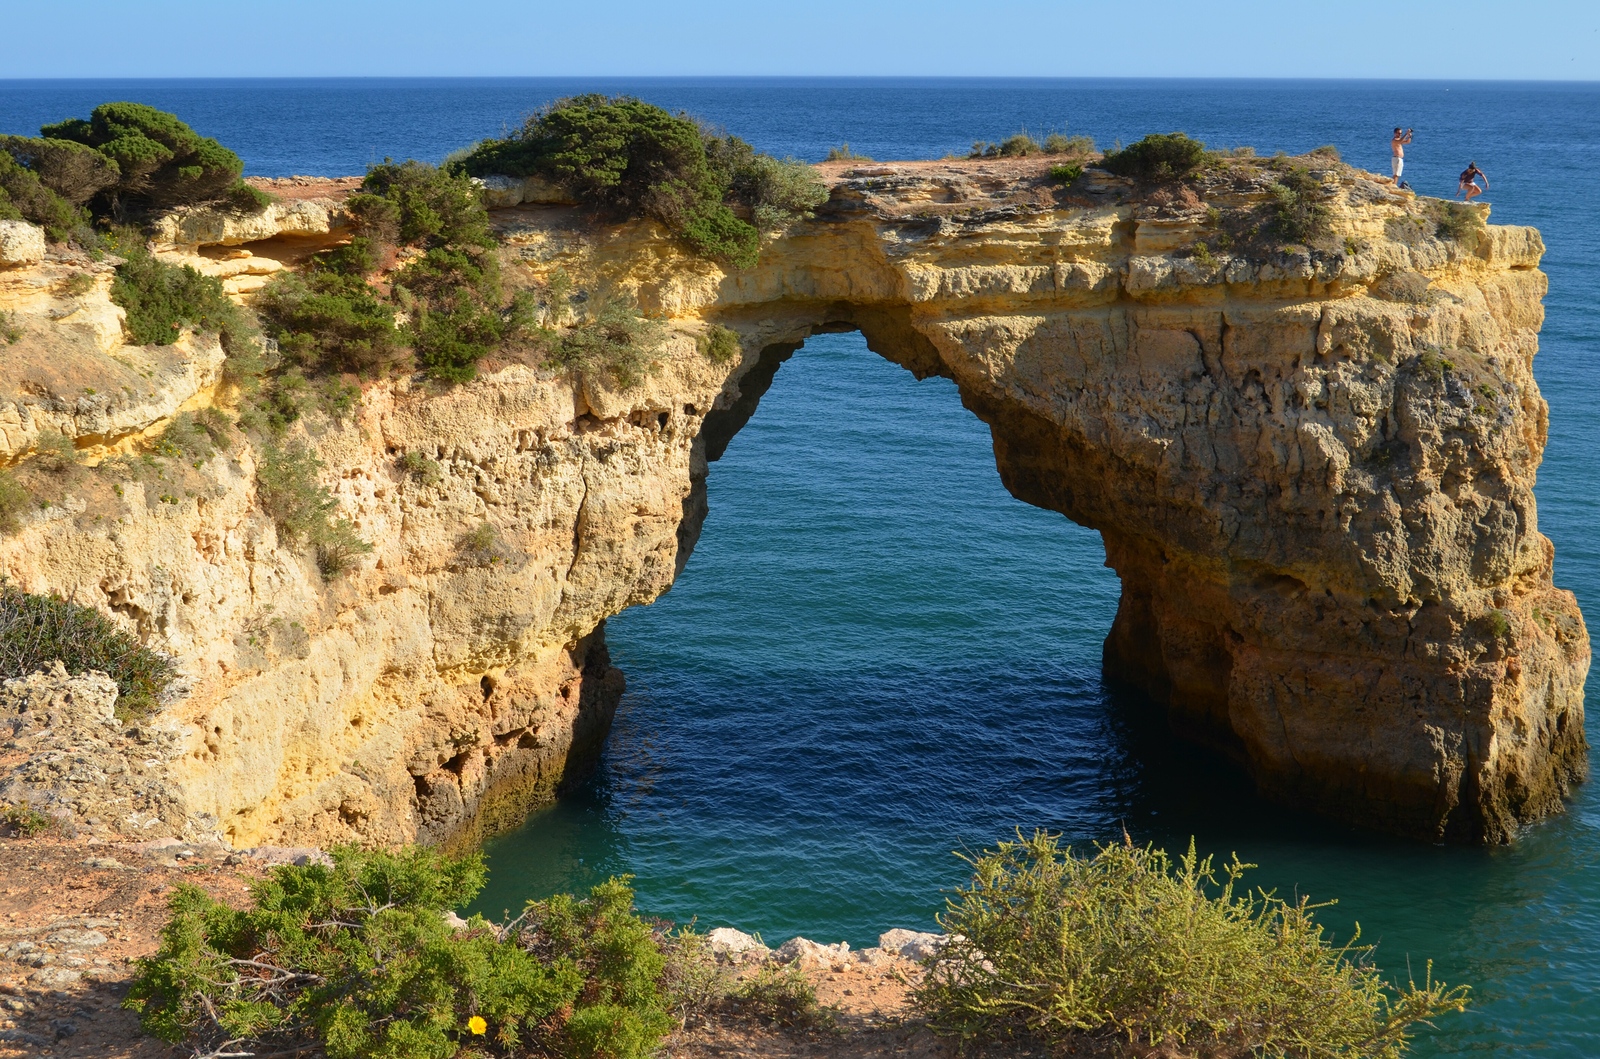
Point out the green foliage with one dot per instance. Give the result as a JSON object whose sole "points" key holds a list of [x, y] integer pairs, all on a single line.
{"points": [[160, 161], [328, 319], [627, 158], [356, 961], [1065, 174], [1060, 143], [1019, 145], [77, 284], [13, 502], [614, 952], [719, 344], [480, 546], [429, 207], [1326, 153], [162, 299], [1458, 221], [780, 995], [614, 343], [1128, 946], [303, 509], [420, 467], [37, 630], [9, 331], [843, 153], [245, 198], [24, 197], [1299, 210], [55, 452], [777, 193], [74, 171], [24, 821], [1159, 156]]}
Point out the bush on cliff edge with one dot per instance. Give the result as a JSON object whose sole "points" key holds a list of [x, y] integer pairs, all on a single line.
{"points": [[1138, 953], [1159, 156], [628, 158], [355, 960]]}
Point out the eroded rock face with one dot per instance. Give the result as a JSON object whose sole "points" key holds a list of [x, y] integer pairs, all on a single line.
{"points": [[1313, 474]]}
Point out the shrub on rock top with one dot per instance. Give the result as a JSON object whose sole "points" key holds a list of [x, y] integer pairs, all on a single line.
{"points": [[1159, 156], [628, 158]]}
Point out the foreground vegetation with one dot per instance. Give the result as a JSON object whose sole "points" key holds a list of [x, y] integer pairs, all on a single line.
{"points": [[358, 960], [1137, 952], [1122, 952]]}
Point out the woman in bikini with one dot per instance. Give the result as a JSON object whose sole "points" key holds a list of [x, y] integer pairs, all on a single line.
{"points": [[1469, 181]]}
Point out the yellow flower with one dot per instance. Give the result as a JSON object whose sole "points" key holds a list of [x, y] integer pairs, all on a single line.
{"points": [[477, 1025]]}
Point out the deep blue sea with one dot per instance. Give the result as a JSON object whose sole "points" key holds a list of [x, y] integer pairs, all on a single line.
{"points": [[876, 656]]}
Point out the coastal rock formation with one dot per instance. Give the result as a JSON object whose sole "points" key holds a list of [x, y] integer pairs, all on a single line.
{"points": [[1313, 473]]}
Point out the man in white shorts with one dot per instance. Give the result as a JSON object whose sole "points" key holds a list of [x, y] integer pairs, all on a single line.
{"points": [[1397, 152]]}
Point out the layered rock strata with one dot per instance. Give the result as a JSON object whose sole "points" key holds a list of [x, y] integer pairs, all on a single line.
{"points": [[1313, 473]]}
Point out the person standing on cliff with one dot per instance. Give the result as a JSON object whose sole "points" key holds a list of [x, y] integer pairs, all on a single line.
{"points": [[1397, 153], [1469, 181]]}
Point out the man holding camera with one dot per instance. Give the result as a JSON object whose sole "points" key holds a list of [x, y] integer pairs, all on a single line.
{"points": [[1397, 152]]}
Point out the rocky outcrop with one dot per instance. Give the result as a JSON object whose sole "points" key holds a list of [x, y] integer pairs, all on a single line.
{"points": [[1313, 473], [66, 755], [21, 243]]}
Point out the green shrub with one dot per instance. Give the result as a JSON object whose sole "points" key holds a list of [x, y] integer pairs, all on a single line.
{"points": [[1326, 153], [1019, 145], [1159, 156], [626, 158], [37, 630], [9, 330], [1059, 143], [719, 344], [430, 206], [328, 320], [356, 961], [72, 170], [24, 821], [25, 197], [1458, 221], [13, 502], [777, 193], [77, 284], [162, 299], [1299, 212], [843, 153], [783, 996], [302, 508], [55, 452], [1065, 174], [246, 198], [614, 343], [160, 161], [1127, 946], [712, 231], [420, 467]]}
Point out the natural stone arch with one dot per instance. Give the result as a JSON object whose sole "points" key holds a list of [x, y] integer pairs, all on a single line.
{"points": [[1312, 472]]}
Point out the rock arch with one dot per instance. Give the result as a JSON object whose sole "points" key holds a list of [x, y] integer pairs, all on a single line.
{"points": [[1312, 471]]}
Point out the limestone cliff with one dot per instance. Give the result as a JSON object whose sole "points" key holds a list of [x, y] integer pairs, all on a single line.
{"points": [[1313, 472]]}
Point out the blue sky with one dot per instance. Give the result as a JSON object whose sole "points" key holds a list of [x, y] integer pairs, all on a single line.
{"points": [[1467, 39]]}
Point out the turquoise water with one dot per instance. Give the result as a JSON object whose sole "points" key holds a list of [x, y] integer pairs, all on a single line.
{"points": [[876, 655]]}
